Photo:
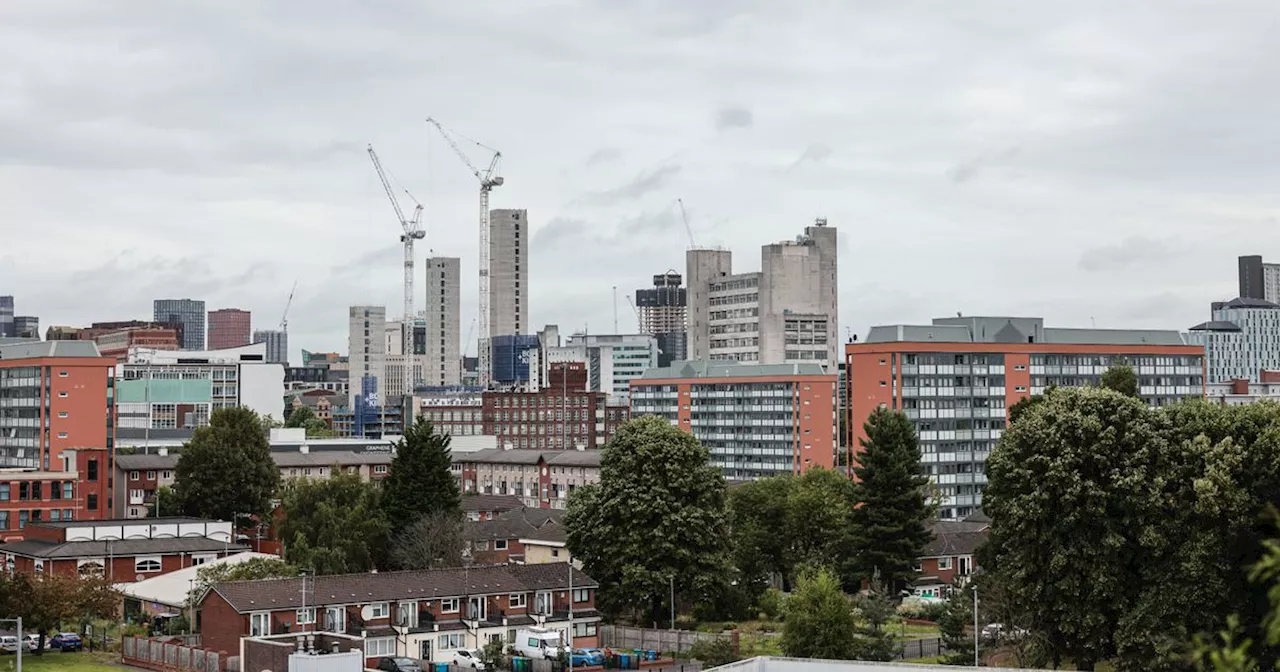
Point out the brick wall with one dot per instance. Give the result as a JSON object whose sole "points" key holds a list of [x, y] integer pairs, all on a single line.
{"points": [[220, 626]]}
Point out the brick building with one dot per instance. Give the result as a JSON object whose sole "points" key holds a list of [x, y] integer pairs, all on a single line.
{"points": [[78, 492], [425, 614], [54, 396], [956, 379], [229, 328], [951, 554], [541, 479], [757, 420], [523, 535], [116, 344], [123, 550]]}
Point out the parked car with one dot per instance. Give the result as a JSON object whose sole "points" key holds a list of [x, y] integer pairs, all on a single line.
{"points": [[998, 631], [594, 656], [9, 644], [66, 641], [469, 658], [33, 642], [398, 664], [583, 657]]}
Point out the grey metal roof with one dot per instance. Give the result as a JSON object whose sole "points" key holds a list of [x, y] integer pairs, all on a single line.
{"points": [[559, 458], [282, 459], [113, 522], [1216, 325], [49, 349], [913, 333], [721, 369], [94, 549], [1244, 302], [1061, 336]]}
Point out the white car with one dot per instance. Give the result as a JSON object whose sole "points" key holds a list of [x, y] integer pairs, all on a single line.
{"points": [[468, 658], [9, 644], [33, 642]]}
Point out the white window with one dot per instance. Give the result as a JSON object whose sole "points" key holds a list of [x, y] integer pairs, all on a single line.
{"points": [[379, 468], [307, 615], [944, 563], [202, 558], [133, 475], [168, 475], [581, 595], [62, 395], [379, 610], [482, 545], [335, 619], [62, 435], [380, 646], [62, 414], [39, 566], [449, 606], [500, 545], [62, 374], [584, 629], [453, 641], [151, 475], [88, 567], [259, 624], [150, 563], [517, 600]]}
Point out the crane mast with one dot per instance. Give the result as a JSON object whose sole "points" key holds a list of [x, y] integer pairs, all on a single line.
{"points": [[412, 230], [488, 180]]}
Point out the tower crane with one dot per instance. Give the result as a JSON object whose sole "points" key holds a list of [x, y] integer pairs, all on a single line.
{"points": [[685, 217], [412, 230], [488, 180], [284, 319], [639, 320]]}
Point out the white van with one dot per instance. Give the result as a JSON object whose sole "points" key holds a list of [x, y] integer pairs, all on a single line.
{"points": [[537, 643]]}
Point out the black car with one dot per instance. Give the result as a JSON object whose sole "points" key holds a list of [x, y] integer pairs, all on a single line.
{"points": [[397, 664]]}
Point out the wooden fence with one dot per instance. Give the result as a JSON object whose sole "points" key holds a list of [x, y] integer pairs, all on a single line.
{"points": [[162, 656]]}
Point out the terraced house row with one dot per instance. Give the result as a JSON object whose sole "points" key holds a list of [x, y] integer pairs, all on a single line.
{"points": [[425, 614]]}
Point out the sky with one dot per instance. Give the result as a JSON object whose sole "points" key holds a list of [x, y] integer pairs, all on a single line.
{"points": [[1093, 163]]}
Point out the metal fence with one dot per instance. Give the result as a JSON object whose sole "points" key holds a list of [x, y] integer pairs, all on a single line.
{"points": [[164, 656], [921, 648], [668, 641]]}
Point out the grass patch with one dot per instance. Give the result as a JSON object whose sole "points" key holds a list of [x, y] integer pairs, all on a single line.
{"points": [[931, 660], [56, 661]]}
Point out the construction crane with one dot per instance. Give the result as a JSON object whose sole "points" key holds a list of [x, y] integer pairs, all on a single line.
{"points": [[488, 180], [685, 217], [412, 230], [284, 319], [639, 321]]}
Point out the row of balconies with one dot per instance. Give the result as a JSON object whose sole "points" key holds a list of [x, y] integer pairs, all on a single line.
{"points": [[908, 392], [952, 369], [961, 434], [935, 413], [960, 457]]}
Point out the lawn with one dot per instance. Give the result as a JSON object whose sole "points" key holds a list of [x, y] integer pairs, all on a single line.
{"points": [[54, 661]]}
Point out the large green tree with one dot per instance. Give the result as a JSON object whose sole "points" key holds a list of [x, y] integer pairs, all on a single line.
{"points": [[332, 525], [250, 570], [657, 516], [419, 481], [889, 522], [819, 507], [50, 601], [1121, 378], [952, 625], [303, 417], [226, 469], [758, 520], [820, 619]]}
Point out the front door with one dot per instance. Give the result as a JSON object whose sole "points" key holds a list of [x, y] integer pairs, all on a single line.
{"points": [[426, 650]]}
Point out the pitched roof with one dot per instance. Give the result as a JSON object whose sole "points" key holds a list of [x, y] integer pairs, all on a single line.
{"points": [[522, 523], [284, 460], [955, 538], [497, 503], [279, 594], [559, 458], [1216, 325], [124, 547]]}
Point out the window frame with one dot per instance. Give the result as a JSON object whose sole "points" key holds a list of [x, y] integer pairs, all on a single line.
{"points": [[141, 564]]}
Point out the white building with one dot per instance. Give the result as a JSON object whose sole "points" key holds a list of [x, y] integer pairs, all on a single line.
{"points": [[443, 352], [168, 393], [508, 272], [612, 360], [787, 312], [367, 349], [1241, 340], [1240, 392]]}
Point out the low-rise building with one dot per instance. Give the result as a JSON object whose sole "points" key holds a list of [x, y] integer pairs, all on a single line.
{"points": [[478, 507], [541, 479], [950, 556], [522, 535], [123, 550], [1242, 391], [425, 614], [116, 344], [756, 420]]}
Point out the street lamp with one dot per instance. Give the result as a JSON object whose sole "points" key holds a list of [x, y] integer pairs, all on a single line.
{"points": [[976, 661], [21, 644]]}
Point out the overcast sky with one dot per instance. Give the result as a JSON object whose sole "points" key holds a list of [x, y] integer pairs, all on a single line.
{"points": [[1079, 161]]}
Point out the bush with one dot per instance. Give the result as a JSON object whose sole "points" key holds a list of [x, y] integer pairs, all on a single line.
{"points": [[713, 651], [933, 611], [770, 605]]}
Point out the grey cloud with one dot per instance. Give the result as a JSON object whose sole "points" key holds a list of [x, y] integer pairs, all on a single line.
{"points": [[972, 168], [733, 117], [1120, 255], [642, 184], [604, 155], [813, 154]]}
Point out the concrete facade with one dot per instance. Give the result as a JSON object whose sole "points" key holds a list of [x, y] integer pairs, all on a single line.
{"points": [[189, 313], [1258, 279], [956, 379], [366, 348], [1241, 339], [508, 272], [277, 343], [612, 360], [7, 328], [442, 311], [26, 326], [785, 313]]}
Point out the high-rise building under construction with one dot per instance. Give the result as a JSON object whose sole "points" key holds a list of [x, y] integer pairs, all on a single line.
{"points": [[663, 313]]}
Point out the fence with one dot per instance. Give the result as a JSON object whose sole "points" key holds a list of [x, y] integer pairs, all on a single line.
{"points": [[669, 641], [921, 648], [163, 656]]}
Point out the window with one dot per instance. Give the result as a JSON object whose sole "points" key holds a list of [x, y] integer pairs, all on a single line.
{"points": [[91, 502], [380, 646], [201, 559], [482, 545], [146, 564], [91, 567], [62, 414], [500, 545], [449, 606], [22, 519], [944, 563], [39, 566], [581, 595], [151, 475], [62, 395], [4, 492], [584, 629], [515, 600], [62, 435], [66, 492], [260, 624], [453, 641], [307, 615], [93, 471], [555, 552], [168, 475], [379, 468], [379, 610], [133, 475], [24, 491], [62, 374]]}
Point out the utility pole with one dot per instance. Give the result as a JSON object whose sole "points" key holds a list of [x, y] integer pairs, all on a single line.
{"points": [[569, 654], [976, 660], [673, 601]]}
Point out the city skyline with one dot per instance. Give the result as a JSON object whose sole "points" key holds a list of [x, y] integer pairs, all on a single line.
{"points": [[1057, 157]]}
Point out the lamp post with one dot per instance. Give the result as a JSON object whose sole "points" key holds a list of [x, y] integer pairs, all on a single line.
{"points": [[976, 661], [569, 643], [21, 644]]}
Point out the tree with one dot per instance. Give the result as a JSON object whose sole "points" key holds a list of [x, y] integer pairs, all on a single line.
{"points": [[874, 641], [166, 503], [820, 620], [333, 526], [1121, 378], [657, 516], [419, 481], [207, 576], [226, 469], [758, 520], [268, 423], [46, 601], [819, 507], [303, 417], [888, 525], [952, 624], [433, 540], [1233, 651]]}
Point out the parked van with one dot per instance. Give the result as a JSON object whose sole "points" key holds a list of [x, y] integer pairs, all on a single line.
{"points": [[537, 643]]}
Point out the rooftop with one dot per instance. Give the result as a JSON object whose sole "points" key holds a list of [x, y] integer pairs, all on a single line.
{"points": [[728, 369], [284, 460], [122, 547], [521, 523], [955, 538], [1015, 330], [496, 503], [35, 349], [113, 522], [1216, 325], [279, 594], [559, 458]]}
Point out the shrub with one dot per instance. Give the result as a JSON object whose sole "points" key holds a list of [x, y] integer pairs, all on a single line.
{"points": [[770, 605], [713, 651]]}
